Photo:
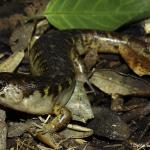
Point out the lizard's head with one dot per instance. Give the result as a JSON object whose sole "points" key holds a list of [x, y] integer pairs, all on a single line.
{"points": [[10, 89]]}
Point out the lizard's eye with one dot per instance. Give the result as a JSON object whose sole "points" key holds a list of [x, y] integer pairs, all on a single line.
{"points": [[2, 85]]}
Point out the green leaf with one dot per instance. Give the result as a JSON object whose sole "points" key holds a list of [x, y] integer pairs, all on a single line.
{"points": [[95, 14]]}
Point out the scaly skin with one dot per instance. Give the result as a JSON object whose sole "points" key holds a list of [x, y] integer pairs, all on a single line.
{"points": [[53, 73]]}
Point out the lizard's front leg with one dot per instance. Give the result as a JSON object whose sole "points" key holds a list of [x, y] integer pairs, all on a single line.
{"points": [[63, 117], [47, 134]]}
